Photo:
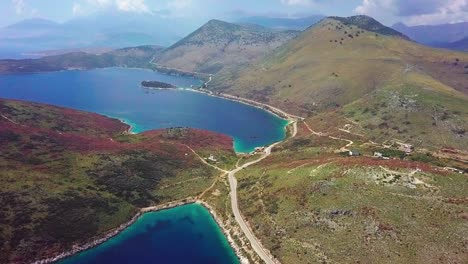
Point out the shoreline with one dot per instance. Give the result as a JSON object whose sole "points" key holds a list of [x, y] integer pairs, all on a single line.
{"points": [[268, 108], [116, 231], [190, 200]]}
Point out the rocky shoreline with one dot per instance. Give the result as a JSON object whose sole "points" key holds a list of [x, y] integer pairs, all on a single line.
{"points": [[98, 241]]}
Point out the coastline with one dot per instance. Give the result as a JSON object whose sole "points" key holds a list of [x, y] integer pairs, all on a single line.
{"points": [[112, 233]]}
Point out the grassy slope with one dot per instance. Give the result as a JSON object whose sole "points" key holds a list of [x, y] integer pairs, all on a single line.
{"points": [[68, 176], [219, 44], [310, 205], [333, 66]]}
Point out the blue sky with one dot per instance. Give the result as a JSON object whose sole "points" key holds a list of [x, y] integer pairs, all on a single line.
{"points": [[413, 12]]}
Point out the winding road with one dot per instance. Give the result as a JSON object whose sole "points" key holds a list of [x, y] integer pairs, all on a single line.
{"points": [[256, 244]]}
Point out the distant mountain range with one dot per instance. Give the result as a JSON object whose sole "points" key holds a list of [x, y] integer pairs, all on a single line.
{"points": [[445, 36], [114, 30], [127, 57], [461, 45], [282, 23]]}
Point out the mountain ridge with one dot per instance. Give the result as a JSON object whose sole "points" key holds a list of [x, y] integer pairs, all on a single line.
{"points": [[433, 35], [218, 44], [332, 69]]}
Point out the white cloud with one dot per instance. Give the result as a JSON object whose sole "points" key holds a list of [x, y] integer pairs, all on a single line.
{"points": [[19, 6], [100, 3], [132, 6], [87, 6], [296, 2], [417, 12], [77, 9]]}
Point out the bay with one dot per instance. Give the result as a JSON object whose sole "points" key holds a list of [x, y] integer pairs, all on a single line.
{"points": [[116, 92]]}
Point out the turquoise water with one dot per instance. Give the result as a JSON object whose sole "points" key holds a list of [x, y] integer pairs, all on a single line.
{"points": [[116, 92], [185, 234]]}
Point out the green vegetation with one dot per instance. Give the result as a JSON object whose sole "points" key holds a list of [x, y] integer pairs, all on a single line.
{"points": [[218, 46], [69, 176], [325, 208], [127, 57], [369, 24], [392, 88]]}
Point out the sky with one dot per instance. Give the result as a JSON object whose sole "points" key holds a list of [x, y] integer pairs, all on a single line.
{"points": [[411, 12]]}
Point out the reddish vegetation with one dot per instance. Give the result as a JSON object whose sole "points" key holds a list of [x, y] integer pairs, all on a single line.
{"points": [[60, 119], [195, 138], [92, 133], [302, 130]]}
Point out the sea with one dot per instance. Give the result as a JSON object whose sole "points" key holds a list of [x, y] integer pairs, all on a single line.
{"points": [[117, 92]]}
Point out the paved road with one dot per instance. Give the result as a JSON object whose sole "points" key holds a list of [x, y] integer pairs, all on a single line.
{"points": [[256, 244]]}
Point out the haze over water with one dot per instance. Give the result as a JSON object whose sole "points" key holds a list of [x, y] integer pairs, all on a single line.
{"points": [[116, 92]]}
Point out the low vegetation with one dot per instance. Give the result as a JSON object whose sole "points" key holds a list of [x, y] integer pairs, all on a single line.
{"points": [[69, 176], [309, 204], [219, 45], [368, 74], [127, 57]]}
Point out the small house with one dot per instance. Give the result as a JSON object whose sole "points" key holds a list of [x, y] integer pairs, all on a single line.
{"points": [[212, 158], [354, 153]]}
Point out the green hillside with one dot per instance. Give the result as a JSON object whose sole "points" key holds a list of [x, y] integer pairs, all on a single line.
{"points": [[126, 57], [382, 84], [68, 176], [219, 44]]}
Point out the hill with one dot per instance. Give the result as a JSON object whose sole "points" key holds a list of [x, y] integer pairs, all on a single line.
{"points": [[461, 45], [309, 204], [68, 176], [369, 24], [434, 35], [381, 84], [219, 44], [126, 57], [280, 23]]}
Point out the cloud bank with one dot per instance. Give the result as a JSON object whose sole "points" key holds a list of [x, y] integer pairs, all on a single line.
{"points": [[417, 12]]}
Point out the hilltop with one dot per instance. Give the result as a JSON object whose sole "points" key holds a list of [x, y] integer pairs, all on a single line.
{"points": [[282, 23], [126, 57], [379, 159], [369, 24], [218, 44], [69, 176], [366, 76]]}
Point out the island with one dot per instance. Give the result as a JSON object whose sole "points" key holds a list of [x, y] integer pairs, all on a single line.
{"points": [[158, 85]]}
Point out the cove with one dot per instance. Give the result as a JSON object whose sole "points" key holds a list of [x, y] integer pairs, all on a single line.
{"points": [[116, 92], [184, 234]]}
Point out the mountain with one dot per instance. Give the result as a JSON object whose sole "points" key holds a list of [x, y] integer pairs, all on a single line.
{"points": [[388, 86], [63, 169], [103, 29], [282, 23], [126, 57], [369, 24], [461, 45], [348, 188], [434, 35], [34, 23], [217, 45]]}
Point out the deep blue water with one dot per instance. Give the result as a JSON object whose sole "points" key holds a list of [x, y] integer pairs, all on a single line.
{"points": [[116, 92], [186, 234]]}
